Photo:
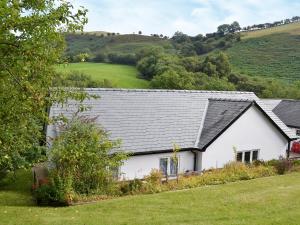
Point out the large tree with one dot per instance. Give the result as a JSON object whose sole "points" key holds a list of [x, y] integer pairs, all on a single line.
{"points": [[31, 42]]}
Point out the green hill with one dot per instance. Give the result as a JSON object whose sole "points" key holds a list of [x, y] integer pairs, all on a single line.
{"points": [[95, 42], [273, 52], [121, 76]]}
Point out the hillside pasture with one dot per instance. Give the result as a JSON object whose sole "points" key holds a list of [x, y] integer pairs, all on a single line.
{"points": [[269, 53], [121, 76], [271, 200], [292, 28]]}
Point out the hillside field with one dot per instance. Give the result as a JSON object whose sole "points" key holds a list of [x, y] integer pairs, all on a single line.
{"points": [[273, 53], [271, 200], [121, 76]]}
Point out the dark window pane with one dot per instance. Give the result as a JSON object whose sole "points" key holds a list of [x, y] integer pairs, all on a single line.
{"points": [[247, 157], [163, 166], [173, 166], [239, 157], [298, 132], [254, 155]]}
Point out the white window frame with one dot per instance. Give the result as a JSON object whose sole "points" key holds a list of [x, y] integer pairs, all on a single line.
{"points": [[251, 155], [169, 158]]}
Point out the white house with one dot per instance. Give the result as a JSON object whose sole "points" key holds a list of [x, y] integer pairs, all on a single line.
{"points": [[288, 111], [210, 127]]}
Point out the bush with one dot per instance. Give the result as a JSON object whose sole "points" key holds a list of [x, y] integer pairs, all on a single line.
{"points": [[131, 187], [79, 79], [81, 158], [282, 166]]}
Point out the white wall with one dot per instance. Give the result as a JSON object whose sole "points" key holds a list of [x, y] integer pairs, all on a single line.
{"points": [[140, 166], [251, 131]]}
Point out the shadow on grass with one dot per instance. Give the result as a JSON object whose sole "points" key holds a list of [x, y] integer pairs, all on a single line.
{"points": [[15, 190]]}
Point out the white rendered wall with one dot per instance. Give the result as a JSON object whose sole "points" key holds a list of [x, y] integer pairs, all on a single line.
{"points": [[251, 131], [140, 166]]}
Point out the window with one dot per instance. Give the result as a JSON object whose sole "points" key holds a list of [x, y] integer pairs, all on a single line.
{"points": [[163, 166], [298, 132], [173, 167], [247, 156], [239, 157], [254, 155], [168, 166]]}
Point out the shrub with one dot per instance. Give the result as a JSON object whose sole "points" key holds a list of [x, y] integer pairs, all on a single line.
{"points": [[153, 182], [282, 166], [81, 158], [131, 187]]}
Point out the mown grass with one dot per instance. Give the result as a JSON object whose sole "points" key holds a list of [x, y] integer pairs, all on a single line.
{"points": [[271, 200], [273, 53], [121, 76]]}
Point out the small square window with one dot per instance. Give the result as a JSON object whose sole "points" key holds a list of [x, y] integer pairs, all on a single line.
{"points": [[298, 132], [239, 157]]}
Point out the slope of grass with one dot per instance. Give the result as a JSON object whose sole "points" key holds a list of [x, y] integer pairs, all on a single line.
{"points": [[292, 28], [273, 53], [271, 200], [121, 76], [94, 43]]}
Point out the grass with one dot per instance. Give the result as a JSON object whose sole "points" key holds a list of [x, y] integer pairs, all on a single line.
{"points": [[292, 28], [271, 200], [273, 53], [122, 76], [93, 43]]}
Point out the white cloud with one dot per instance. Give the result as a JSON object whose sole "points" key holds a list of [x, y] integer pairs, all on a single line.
{"points": [[190, 16]]}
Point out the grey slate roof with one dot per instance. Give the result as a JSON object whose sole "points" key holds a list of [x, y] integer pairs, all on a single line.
{"points": [[153, 120], [271, 103], [220, 113], [289, 112]]}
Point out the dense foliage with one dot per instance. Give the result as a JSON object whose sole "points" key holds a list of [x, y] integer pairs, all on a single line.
{"points": [[31, 42], [79, 79], [214, 72], [82, 162]]}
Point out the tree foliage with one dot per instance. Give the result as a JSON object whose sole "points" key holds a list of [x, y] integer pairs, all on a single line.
{"points": [[31, 42], [83, 154]]}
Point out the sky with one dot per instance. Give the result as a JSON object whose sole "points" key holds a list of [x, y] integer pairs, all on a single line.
{"points": [[189, 16]]}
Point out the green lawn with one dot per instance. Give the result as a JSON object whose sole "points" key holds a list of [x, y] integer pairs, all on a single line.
{"points": [[122, 76], [272, 200]]}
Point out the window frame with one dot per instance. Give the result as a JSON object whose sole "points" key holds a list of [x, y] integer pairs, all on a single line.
{"points": [[298, 132], [251, 155], [169, 159]]}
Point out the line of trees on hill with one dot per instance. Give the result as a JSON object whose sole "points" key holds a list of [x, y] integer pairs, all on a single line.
{"points": [[270, 25]]}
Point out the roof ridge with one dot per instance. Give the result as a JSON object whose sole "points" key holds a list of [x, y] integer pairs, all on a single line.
{"points": [[231, 99], [163, 90], [201, 125]]}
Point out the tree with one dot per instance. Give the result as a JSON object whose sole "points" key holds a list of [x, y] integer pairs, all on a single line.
{"points": [[173, 79], [140, 32], [31, 42], [234, 27], [82, 154], [222, 65], [224, 29], [175, 159], [180, 37]]}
